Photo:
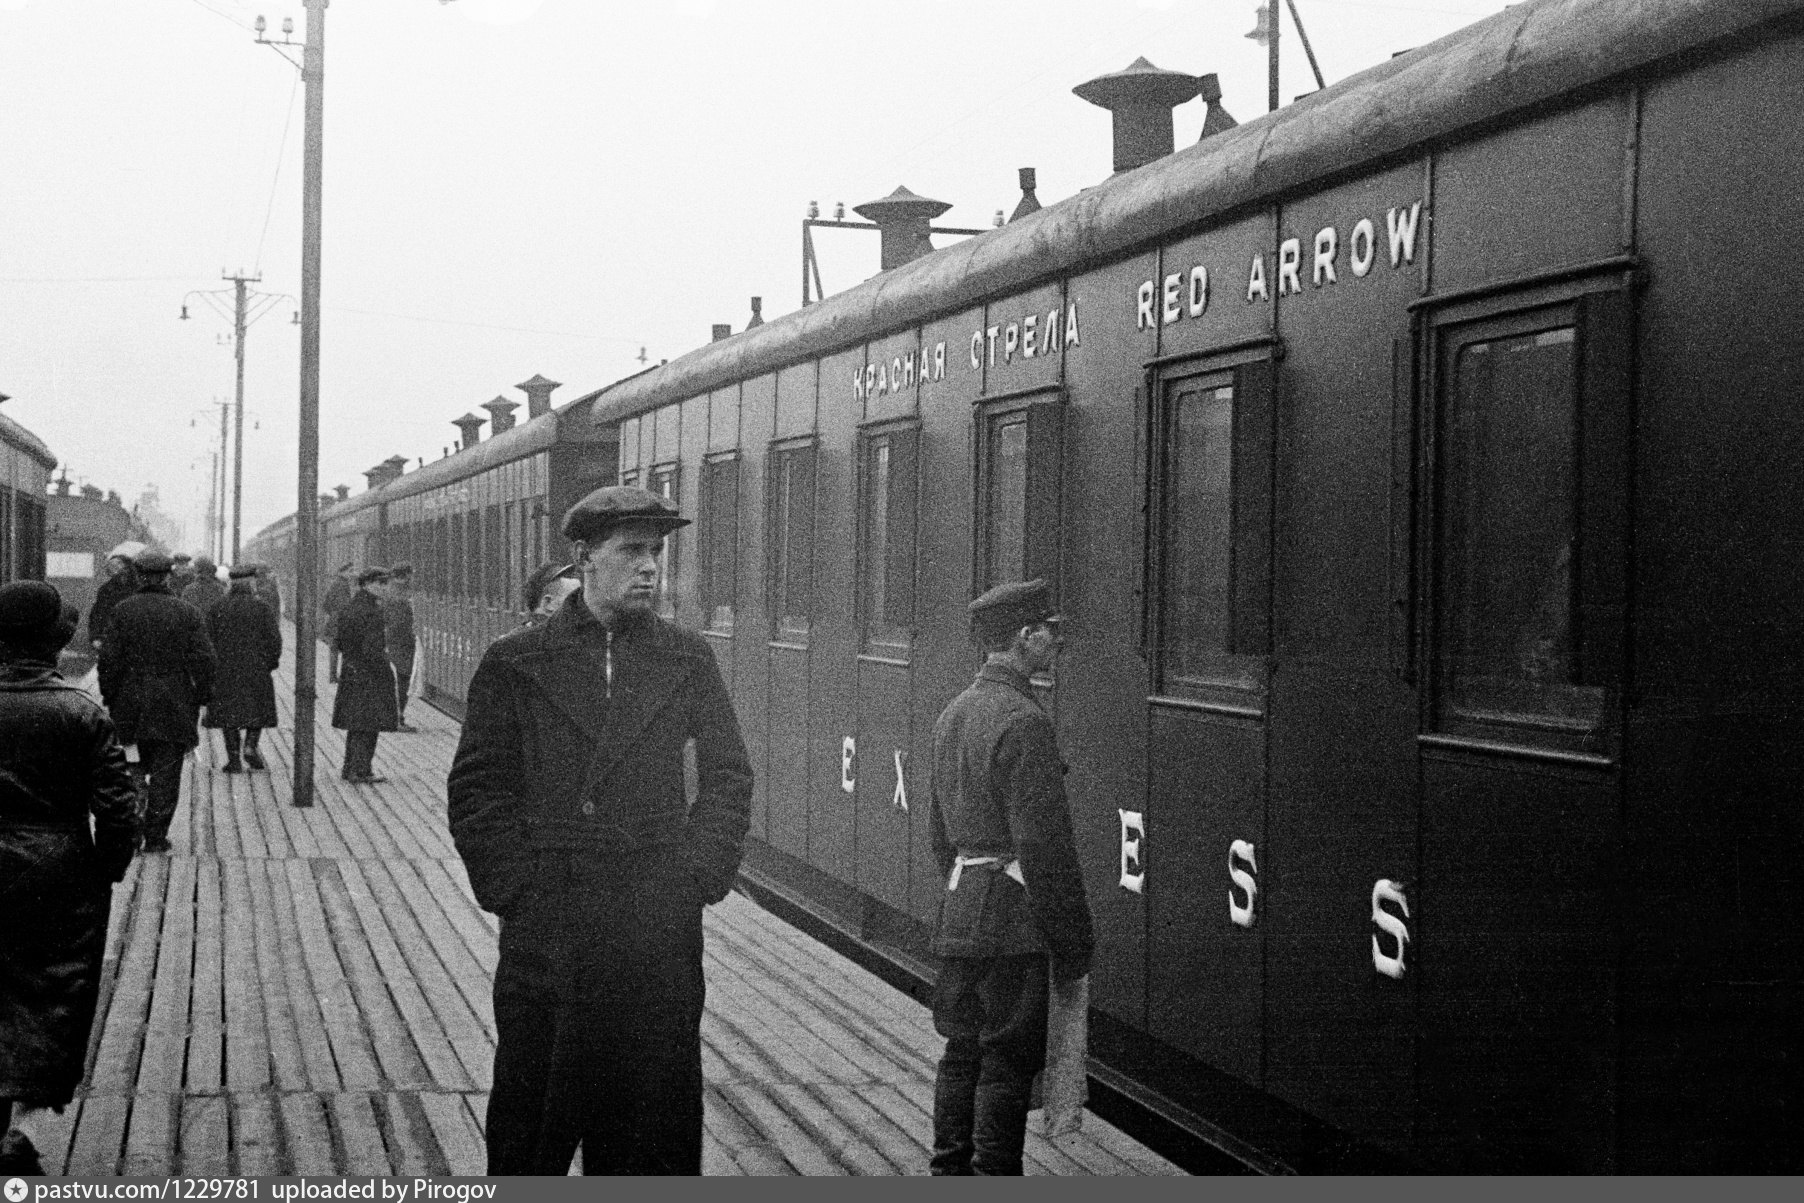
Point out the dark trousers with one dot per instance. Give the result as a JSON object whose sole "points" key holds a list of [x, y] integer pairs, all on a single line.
{"points": [[403, 674], [360, 753], [598, 1007], [160, 765], [235, 739], [992, 1012]]}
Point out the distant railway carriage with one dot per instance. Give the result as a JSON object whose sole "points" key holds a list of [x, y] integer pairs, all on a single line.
{"points": [[1416, 468], [474, 525], [25, 467], [82, 526]]}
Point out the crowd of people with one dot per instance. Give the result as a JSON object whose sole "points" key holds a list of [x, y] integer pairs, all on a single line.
{"points": [[581, 820]]}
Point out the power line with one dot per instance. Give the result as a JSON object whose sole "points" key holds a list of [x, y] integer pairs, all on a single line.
{"points": [[281, 151], [220, 15], [445, 321]]}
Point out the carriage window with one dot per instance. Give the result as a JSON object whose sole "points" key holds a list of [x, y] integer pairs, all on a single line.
{"points": [[1509, 527], [472, 582], [664, 484], [790, 523], [718, 540], [1018, 458], [887, 530], [491, 563], [1210, 534]]}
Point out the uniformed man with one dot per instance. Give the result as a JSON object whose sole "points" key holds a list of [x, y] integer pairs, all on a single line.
{"points": [[59, 765], [568, 806], [1015, 902], [156, 672], [365, 705], [248, 641], [335, 600], [397, 618]]}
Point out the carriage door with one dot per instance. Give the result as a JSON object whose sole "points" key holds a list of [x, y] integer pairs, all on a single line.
{"points": [[1208, 629]]}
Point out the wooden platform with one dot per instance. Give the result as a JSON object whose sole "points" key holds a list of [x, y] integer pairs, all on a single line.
{"points": [[308, 992]]}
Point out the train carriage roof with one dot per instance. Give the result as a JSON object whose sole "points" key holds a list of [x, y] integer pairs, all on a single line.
{"points": [[1533, 54], [16, 435]]}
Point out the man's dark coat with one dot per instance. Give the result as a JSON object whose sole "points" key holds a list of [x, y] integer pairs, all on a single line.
{"points": [[366, 683], [248, 641], [59, 763], [998, 790], [569, 807], [397, 614], [156, 667], [554, 756], [112, 591], [203, 592], [338, 596]]}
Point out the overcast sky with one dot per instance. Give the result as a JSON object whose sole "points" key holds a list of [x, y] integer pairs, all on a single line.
{"points": [[516, 187]]}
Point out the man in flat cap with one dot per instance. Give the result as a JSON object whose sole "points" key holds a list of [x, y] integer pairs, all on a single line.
{"points": [[156, 672], [60, 763], [248, 640], [1015, 903], [365, 705], [569, 808], [204, 589]]}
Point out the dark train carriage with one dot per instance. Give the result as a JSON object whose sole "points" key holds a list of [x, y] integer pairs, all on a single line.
{"points": [[1416, 468], [25, 467], [474, 525], [274, 546]]}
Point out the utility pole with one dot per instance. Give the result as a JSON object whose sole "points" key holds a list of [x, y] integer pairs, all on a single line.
{"points": [[306, 573], [238, 324]]}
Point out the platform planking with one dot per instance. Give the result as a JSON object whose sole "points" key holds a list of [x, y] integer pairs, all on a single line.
{"points": [[308, 992]]}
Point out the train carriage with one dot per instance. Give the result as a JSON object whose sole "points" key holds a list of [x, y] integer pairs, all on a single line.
{"points": [[474, 525], [1416, 469], [25, 467]]}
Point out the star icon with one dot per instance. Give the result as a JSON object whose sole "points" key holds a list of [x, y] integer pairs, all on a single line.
{"points": [[16, 1190]]}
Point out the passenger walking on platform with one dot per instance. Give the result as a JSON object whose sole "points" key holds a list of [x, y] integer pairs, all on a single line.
{"points": [[1001, 832], [397, 617], [181, 572], [248, 641], [335, 600], [568, 806], [156, 672], [205, 588], [365, 705], [546, 590], [269, 589], [121, 583], [60, 763]]}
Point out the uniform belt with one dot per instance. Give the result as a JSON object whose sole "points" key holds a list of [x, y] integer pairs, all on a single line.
{"points": [[1010, 865]]}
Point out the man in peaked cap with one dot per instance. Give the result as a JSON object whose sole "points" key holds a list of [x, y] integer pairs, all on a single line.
{"points": [[335, 600], [156, 672], [248, 641], [1014, 905], [568, 806], [61, 764]]}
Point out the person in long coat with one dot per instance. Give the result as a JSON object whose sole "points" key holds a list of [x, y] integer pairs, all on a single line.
{"points": [[121, 583], [204, 589], [248, 641], [156, 672], [568, 804], [269, 589], [365, 705], [59, 764]]}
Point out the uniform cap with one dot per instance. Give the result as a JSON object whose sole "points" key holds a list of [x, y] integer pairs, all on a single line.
{"points": [[239, 571], [29, 608], [1007, 608], [594, 516], [181, 557], [152, 560], [369, 575]]}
